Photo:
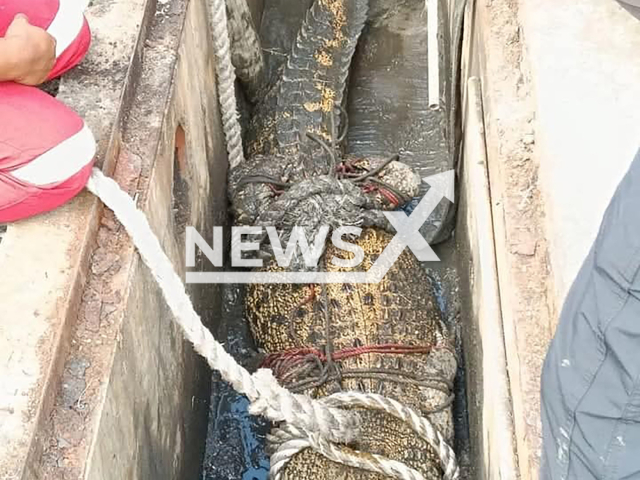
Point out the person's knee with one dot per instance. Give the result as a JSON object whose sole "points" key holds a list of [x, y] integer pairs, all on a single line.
{"points": [[46, 153]]}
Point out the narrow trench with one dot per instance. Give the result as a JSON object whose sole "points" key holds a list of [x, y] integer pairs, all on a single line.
{"points": [[235, 446]]}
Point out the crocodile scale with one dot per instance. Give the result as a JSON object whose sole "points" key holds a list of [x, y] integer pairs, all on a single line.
{"points": [[401, 310]]}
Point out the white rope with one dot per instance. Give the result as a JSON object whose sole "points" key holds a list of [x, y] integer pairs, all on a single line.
{"points": [[318, 424], [294, 441], [288, 441], [226, 81], [267, 397]]}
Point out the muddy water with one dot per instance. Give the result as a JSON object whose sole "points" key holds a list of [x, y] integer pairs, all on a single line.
{"points": [[235, 440], [389, 94], [447, 281]]}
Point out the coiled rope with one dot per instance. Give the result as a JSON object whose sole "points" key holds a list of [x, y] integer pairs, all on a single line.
{"points": [[267, 397], [304, 422], [287, 441]]}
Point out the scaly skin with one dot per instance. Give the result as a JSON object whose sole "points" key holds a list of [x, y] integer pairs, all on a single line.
{"points": [[312, 82], [246, 52], [402, 309]]}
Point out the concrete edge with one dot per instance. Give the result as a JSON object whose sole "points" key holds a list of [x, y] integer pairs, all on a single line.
{"points": [[56, 272], [498, 58], [138, 133], [494, 449], [585, 72]]}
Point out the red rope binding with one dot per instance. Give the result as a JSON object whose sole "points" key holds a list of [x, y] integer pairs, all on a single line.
{"points": [[386, 348]]}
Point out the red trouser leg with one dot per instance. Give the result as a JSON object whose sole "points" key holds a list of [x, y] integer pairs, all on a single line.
{"points": [[46, 151], [63, 19]]}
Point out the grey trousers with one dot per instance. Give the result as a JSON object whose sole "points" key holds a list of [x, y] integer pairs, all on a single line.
{"points": [[632, 5], [591, 376]]}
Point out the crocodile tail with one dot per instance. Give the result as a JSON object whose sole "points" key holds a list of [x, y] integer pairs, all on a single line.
{"points": [[314, 77], [246, 51]]}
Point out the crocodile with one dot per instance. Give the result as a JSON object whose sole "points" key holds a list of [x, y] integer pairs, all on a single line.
{"points": [[388, 106], [387, 338]]}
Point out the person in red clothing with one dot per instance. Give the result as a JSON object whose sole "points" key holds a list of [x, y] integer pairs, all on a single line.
{"points": [[46, 150]]}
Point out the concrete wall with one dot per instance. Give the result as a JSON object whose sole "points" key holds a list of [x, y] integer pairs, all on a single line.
{"points": [[492, 434], [558, 99], [491, 411], [561, 104], [497, 57], [100, 383], [586, 85]]}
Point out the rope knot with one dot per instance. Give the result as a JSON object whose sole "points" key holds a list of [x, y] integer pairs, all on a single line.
{"points": [[300, 411], [319, 424], [354, 193], [288, 440]]}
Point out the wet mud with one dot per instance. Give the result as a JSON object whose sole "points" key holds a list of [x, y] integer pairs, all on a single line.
{"points": [[235, 448], [388, 100]]}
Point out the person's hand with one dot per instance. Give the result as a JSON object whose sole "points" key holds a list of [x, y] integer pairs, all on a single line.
{"points": [[30, 50]]}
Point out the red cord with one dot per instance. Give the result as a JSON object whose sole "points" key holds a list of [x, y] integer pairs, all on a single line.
{"points": [[385, 349]]}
